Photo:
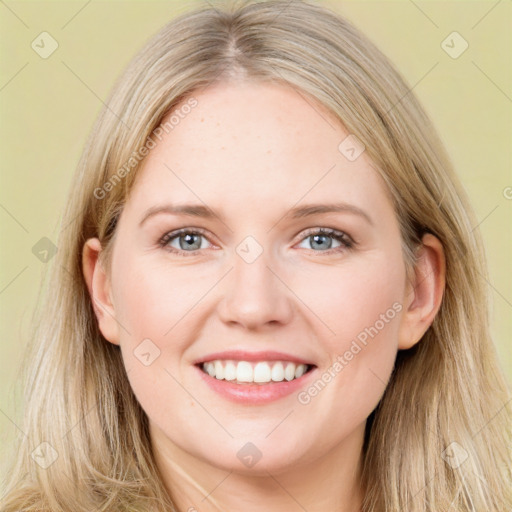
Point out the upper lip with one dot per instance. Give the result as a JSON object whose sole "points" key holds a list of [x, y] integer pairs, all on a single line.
{"points": [[243, 355]]}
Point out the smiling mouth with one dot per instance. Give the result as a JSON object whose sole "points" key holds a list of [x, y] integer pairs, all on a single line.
{"points": [[254, 372]]}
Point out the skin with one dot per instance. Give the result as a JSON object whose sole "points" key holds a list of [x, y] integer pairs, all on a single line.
{"points": [[251, 152]]}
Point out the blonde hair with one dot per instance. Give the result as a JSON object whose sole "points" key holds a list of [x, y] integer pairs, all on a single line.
{"points": [[448, 388]]}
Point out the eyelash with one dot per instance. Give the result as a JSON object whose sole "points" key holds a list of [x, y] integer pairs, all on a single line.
{"points": [[343, 238]]}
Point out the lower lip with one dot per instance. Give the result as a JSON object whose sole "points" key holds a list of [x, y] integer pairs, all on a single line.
{"points": [[255, 393]]}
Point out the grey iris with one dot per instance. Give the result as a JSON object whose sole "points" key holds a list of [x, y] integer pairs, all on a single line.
{"points": [[315, 239], [189, 241]]}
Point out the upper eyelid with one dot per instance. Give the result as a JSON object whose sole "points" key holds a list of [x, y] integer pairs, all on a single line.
{"points": [[176, 232]]}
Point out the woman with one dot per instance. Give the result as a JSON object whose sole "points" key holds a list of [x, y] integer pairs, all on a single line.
{"points": [[327, 351]]}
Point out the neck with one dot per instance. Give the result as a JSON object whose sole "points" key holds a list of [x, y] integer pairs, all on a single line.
{"points": [[329, 482]]}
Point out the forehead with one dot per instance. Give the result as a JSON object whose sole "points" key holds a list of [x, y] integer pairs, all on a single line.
{"points": [[244, 143], [244, 120]]}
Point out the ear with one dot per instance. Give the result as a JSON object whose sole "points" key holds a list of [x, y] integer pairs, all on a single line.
{"points": [[98, 283], [423, 296]]}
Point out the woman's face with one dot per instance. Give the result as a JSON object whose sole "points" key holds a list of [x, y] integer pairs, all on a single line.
{"points": [[260, 168]]}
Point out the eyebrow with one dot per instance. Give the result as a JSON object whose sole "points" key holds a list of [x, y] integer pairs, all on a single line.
{"points": [[299, 212]]}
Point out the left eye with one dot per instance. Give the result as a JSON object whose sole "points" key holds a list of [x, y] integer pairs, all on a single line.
{"points": [[189, 241], [322, 239]]}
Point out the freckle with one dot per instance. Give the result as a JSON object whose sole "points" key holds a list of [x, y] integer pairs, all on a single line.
{"points": [[269, 151], [202, 120]]}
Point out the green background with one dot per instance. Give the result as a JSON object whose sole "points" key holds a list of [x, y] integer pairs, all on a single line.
{"points": [[47, 108]]}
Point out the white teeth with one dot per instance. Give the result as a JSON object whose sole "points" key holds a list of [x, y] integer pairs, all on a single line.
{"points": [[210, 368], [219, 370], [278, 372], [289, 371], [261, 372], [230, 371], [244, 372]]}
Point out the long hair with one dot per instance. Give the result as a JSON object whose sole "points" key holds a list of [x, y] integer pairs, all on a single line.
{"points": [[440, 437]]}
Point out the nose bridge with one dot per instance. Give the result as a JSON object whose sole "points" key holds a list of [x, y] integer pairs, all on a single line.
{"points": [[254, 295]]}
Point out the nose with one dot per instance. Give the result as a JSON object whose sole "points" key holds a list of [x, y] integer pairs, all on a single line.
{"points": [[255, 295]]}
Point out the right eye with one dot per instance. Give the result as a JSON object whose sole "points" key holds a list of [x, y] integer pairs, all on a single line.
{"points": [[187, 241]]}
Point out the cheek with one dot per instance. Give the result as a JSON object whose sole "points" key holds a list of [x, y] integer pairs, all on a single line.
{"points": [[364, 311], [353, 297], [151, 310], [154, 307], [152, 301]]}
